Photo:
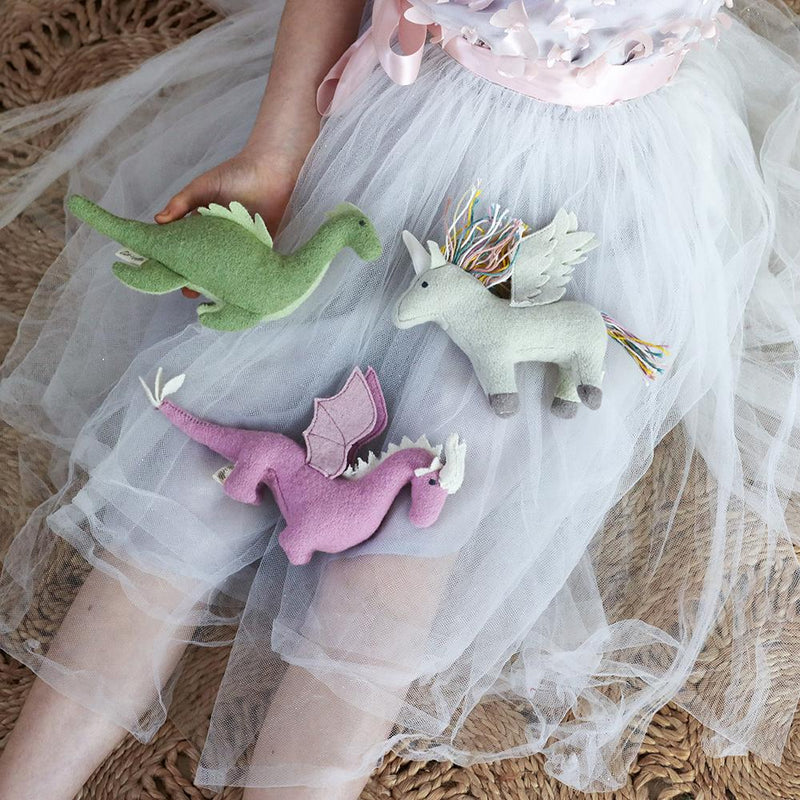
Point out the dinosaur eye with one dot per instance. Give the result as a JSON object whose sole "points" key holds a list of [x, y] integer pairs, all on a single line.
{"points": [[424, 284], [432, 481], [362, 223]]}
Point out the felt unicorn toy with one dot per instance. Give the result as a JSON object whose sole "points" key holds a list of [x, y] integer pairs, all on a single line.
{"points": [[227, 255], [452, 289], [329, 500]]}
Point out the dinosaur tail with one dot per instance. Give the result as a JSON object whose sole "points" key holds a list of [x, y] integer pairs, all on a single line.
{"points": [[646, 354], [129, 232]]}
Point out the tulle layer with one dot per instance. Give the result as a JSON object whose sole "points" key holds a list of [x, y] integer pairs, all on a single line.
{"points": [[548, 592]]}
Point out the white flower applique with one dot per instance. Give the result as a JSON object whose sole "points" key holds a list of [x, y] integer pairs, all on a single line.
{"points": [[638, 44], [558, 53], [576, 29], [421, 16], [685, 34], [519, 40], [517, 52], [470, 34]]}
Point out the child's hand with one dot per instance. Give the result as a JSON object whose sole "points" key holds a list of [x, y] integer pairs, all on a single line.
{"points": [[263, 175], [260, 184]]}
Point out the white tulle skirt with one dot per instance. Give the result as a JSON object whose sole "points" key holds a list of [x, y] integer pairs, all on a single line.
{"points": [[545, 587]]}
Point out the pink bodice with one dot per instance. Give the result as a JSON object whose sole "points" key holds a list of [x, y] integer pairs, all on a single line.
{"points": [[571, 52], [577, 32]]}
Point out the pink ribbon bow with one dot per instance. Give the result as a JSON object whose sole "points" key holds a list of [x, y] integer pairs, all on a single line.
{"points": [[374, 47]]}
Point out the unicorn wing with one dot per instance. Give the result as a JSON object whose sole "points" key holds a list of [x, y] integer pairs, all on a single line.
{"points": [[345, 422], [546, 259]]}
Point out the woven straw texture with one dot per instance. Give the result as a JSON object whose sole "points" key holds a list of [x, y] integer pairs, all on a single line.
{"points": [[49, 47]]}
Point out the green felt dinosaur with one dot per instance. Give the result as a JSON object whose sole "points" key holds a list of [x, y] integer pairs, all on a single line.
{"points": [[227, 255]]}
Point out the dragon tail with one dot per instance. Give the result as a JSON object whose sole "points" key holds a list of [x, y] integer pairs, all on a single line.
{"points": [[645, 354]]}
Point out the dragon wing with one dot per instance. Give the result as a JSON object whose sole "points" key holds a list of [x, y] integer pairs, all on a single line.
{"points": [[345, 422], [545, 261]]}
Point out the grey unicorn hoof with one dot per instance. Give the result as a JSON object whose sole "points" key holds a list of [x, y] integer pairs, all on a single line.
{"points": [[504, 405], [565, 409], [591, 396]]}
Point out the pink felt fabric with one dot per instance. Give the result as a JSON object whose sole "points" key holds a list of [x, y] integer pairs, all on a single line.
{"points": [[322, 514], [342, 424]]}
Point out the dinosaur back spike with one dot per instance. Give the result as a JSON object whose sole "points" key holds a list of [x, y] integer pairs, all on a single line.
{"points": [[237, 213]]}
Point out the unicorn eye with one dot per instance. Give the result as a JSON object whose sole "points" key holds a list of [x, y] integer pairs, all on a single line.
{"points": [[432, 481], [424, 284]]}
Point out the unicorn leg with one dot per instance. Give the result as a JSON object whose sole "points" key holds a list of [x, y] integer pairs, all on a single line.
{"points": [[500, 384], [589, 368], [566, 401]]}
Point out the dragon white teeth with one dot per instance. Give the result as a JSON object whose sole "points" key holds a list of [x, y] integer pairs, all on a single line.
{"points": [[363, 466]]}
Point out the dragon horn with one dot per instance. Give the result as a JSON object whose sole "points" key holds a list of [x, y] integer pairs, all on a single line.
{"points": [[451, 475]]}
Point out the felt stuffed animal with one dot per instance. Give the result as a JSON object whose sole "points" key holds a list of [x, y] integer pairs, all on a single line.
{"points": [[227, 255], [451, 288], [329, 500]]}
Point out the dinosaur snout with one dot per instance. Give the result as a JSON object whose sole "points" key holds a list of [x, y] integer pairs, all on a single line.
{"points": [[373, 250]]}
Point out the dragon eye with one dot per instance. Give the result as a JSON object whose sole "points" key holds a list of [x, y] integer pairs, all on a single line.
{"points": [[432, 481], [424, 284], [362, 222]]}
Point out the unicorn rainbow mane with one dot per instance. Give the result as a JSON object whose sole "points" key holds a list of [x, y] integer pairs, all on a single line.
{"points": [[484, 246]]}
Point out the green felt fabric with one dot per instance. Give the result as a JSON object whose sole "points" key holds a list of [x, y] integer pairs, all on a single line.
{"points": [[229, 260]]}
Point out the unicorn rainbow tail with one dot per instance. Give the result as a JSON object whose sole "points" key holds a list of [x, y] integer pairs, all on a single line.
{"points": [[645, 354]]}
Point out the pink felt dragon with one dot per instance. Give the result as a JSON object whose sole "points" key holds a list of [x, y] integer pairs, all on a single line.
{"points": [[329, 500]]}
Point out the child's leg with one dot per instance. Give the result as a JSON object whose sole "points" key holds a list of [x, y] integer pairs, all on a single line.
{"points": [[309, 723], [57, 744], [306, 717]]}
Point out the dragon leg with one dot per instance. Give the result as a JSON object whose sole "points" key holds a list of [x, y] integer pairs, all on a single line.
{"points": [[152, 277], [222, 317], [243, 483], [295, 545]]}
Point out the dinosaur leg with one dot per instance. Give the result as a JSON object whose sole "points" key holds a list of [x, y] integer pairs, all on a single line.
{"points": [[223, 317], [152, 277], [566, 400]]}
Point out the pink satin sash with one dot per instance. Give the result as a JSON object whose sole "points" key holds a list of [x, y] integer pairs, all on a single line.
{"points": [[600, 84]]}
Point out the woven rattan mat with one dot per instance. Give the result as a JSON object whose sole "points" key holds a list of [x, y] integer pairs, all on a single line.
{"points": [[49, 47]]}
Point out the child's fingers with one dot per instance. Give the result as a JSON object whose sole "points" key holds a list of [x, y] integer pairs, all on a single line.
{"points": [[198, 193]]}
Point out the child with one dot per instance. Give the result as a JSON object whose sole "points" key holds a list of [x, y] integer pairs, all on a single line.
{"points": [[538, 588]]}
